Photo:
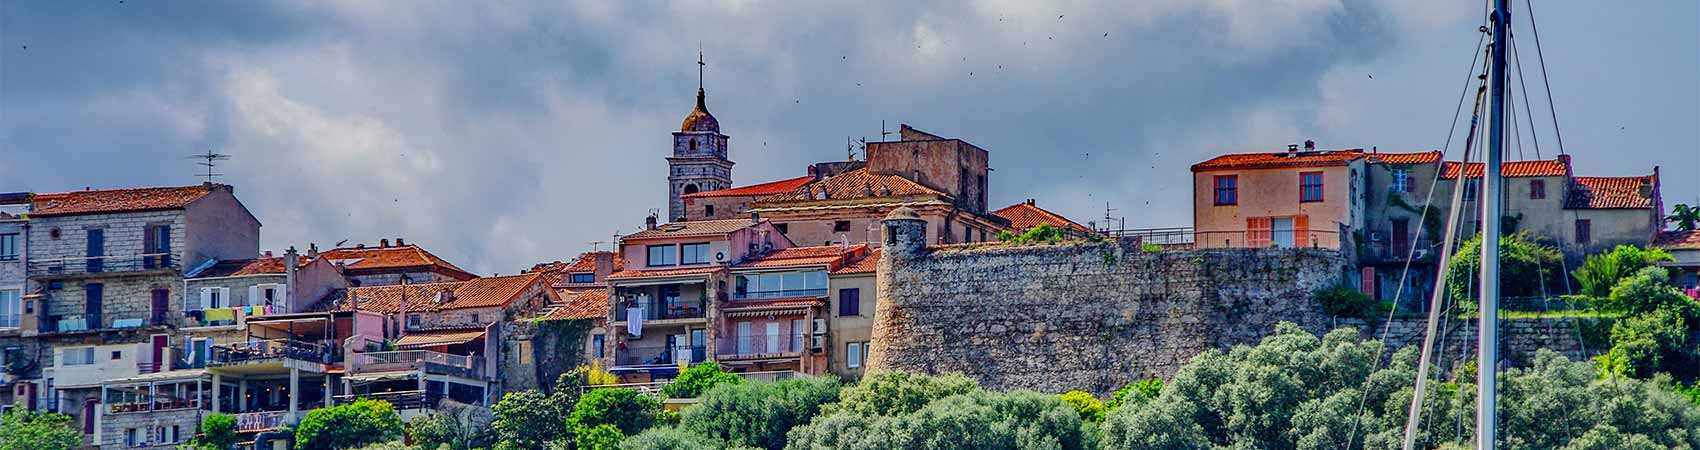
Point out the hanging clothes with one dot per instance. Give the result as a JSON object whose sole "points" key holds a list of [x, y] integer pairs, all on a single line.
{"points": [[634, 321], [219, 314]]}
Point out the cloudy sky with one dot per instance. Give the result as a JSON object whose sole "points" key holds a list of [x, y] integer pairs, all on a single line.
{"points": [[506, 134]]}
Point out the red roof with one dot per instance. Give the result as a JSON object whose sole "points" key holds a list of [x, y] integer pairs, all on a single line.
{"points": [[1513, 169], [1282, 160], [1678, 240], [693, 229], [666, 272], [854, 184], [392, 257], [1406, 158], [557, 271], [426, 297], [1026, 215], [240, 267], [830, 256], [119, 200], [592, 304], [1611, 193], [756, 190], [868, 264]]}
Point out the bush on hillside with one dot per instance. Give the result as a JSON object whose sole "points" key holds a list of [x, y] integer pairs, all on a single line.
{"points": [[668, 438], [1601, 272], [759, 414], [626, 409], [891, 393], [528, 420], [1090, 408], [1135, 393], [32, 430], [697, 379], [977, 419], [1344, 301], [352, 425], [1526, 269]]}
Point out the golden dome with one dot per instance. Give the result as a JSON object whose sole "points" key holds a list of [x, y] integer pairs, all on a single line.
{"points": [[699, 118]]}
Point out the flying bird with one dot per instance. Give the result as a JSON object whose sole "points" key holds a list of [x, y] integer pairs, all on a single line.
{"points": [[1059, 16]]}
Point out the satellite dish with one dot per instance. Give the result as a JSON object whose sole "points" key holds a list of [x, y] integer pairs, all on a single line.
{"points": [[719, 256]]}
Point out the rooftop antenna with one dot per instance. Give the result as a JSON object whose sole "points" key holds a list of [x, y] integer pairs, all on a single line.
{"points": [[884, 133], [1110, 218], [595, 246], [849, 148], [212, 161]]}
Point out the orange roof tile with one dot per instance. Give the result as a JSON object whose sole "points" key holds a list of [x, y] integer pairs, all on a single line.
{"points": [[1281, 160], [425, 297], [624, 274], [830, 256], [854, 184], [1611, 193], [756, 190], [1678, 240], [592, 304], [868, 264], [1026, 215], [558, 271], [1512, 169], [119, 200], [241, 267], [693, 229], [1406, 158], [393, 257]]}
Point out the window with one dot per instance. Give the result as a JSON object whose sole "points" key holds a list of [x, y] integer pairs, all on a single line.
{"points": [[214, 298], [9, 308], [167, 435], [414, 320], [855, 354], [156, 244], [708, 210], [117, 355], [1401, 181], [8, 246], [780, 284], [1584, 231], [663, 255], [783, 228], [77, 356], [694, 253], [1537, 189], [599, 345], [135, 437], [842, 226], [1310, 187], [582, 278], [1227, 189], [850, 302]]}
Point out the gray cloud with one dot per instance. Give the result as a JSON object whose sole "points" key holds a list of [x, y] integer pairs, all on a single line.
{"points": [[506, 134]]}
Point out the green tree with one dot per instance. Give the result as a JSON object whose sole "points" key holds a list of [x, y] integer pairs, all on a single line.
{"points": [[601, 437], [977, 419], [890, 393], [1603, 271], [348, 426], [1524, 266], [31, 430], [1090, 408], [457, 425], [1135, 393], [697, 379], [626, 409], [1686, 218], [527, 420], [218, 432], [1043, 233], [1650, 290], [1345, 301], [759, 414], [1648, 343], [669, 438]]}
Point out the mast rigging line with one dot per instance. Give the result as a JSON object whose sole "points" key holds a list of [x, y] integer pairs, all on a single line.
{"points": [[1545, 80]]}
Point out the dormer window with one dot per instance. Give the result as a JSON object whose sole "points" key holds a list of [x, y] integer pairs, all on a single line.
{"points": [[583, 278]]}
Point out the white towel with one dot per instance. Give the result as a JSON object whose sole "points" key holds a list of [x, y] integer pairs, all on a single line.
{"points": [[634, 321]]}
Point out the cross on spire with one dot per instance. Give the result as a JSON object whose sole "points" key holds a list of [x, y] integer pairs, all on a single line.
{"points": [[700, 65]]}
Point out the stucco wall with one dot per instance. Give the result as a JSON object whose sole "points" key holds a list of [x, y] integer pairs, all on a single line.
{"points": [[842, 330], [220, 228], [951, 166], [1275, 192]]}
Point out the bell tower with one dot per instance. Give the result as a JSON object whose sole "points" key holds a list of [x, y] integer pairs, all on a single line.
{"points": [[699, 161]]}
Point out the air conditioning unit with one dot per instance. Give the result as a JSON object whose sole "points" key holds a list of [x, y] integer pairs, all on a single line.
{"points": [[819, 327], [817, 342]]}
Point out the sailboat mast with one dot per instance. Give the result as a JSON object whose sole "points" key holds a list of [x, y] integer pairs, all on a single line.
{"points": [[1487, 345]]}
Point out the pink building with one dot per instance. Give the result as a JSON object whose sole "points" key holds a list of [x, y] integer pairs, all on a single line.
{"points": [[1296, 198]]}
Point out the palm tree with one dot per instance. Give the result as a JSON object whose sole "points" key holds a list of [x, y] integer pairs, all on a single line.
{"points": [[1687, 218]]}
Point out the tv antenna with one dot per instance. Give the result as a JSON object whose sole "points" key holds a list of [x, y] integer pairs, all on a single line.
{"points": [[884, 133], [595, 246], [212, 161]]}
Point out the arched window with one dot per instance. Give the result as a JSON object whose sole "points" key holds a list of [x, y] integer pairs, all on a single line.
{"points": [[690, 189], [693, 144]]}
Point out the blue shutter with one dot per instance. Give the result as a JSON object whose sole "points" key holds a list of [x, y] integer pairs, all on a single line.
{"points": [[96, 247], [164, 244]]}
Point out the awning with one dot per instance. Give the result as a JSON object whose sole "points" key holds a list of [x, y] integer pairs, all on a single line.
{"points": [[769, 312], [172, 375], [382, 376], [417, 339], [659, 369]]}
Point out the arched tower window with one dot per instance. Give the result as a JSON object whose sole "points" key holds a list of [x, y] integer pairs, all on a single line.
{"points": [[690, 189], [693, 144]]}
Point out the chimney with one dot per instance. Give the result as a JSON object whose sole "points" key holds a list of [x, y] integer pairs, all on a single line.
{"points": [[604, 265], [649, 222], [267, 253], [400, 243], [290, 266], [359, 246], [814, 172], [312, 250], [1031, 202], [1292, 150], [1310, 145], [1564, 159], [383, 243]]}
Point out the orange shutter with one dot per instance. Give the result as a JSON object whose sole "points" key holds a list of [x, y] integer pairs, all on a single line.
{"points": [[1257, 231], [1301, 231]]}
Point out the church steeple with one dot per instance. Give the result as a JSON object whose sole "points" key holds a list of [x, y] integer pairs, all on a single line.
{"points": [[699, 162]]}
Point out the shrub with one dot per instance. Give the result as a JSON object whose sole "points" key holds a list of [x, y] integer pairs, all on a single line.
{"points": [[1089, 407], [1343, 301], [1135, 393], [527, 420], [32, 430], [1151, 248], [759, 414], [602, 437], [977, 419], [668, 438], [348, 426], [626, 409], [891, 393], [595, 375], [1650, 290], [1043, 233], [1603, 271], [1647, 343], [1523, 266], [218, 431], [458, 426], [698, 379]]}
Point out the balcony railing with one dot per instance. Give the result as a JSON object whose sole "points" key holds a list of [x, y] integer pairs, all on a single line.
{"points": [[1295, 238], [762, 344], [158, 404], [658, 310], [280, 348], [429, 361], [86, 265], [401, 400], [1390, 250], [262, 420], [634, 355], [758, 295]]}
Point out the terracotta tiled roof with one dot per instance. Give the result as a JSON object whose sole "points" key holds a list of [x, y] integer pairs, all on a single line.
{"points": [[1282, 160], [1678, 240], [557, 272], [240, 267], [119, 200], [1611, 193], [424, 297], [830, 256], [624, 274], [868, 264], [1026, 215], [591, 304], [398, 256], [693, 229], [429, 338], [763, 189], [854, 184], [1513, 169], [1406, 158]]}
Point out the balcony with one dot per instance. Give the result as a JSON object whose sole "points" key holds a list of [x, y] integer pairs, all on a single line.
{"points": [[246, 352], [85, 266], [1391, 251], [261, 421], [403, 400], [429, 361], [88, 323], [664, 310], [762, 345], [658, 354]]}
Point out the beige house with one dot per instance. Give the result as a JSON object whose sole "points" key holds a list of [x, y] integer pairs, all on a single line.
{"points": [[1685, 247], [1296, 198], [854, 291]]}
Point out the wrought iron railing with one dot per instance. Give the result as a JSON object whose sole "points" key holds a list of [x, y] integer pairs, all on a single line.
{"points": [[657, 310], [429, 361], [401, 399], [82, 265], [261, 420], [277, 348], [633, 355], [762, 344]]}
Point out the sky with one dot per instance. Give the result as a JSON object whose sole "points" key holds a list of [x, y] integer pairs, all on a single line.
{"points": [[502, 135]]}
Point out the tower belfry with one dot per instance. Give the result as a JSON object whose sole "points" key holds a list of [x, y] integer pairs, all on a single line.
{"points": [[699, 161]]}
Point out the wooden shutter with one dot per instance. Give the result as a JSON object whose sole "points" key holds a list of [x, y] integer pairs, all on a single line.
{"points": [[1258, 231], [1301, 231]]}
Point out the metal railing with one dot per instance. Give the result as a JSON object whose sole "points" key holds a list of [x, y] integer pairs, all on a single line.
{"points": [[763, 344], [658, 310], [1267, 239], [262, 420], [277, 348], [429, 361], [634, 355], [158, 403], [1167, 237], [83, 265], [758, 295], [1397, 251], [401, 399]]}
